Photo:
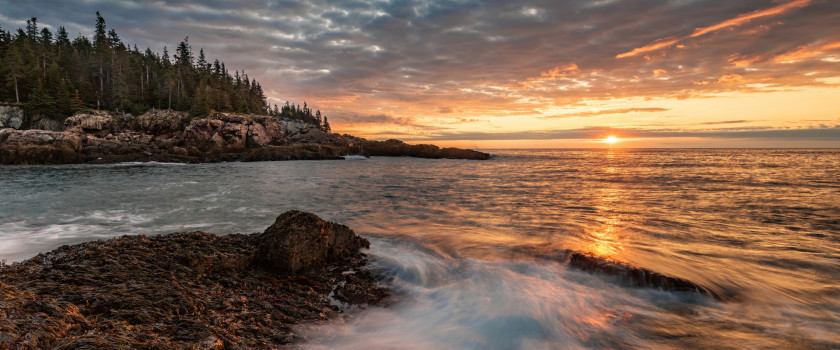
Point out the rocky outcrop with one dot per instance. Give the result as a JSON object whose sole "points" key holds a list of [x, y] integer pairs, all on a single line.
{"points": [[94, 124], [185, 290], [396, 148], [11, 117], [40, 147], [175, 137], [299, 241], [159, 123]]}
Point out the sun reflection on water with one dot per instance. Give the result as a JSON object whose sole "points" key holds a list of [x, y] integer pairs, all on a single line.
{"points": [[604, 239]]}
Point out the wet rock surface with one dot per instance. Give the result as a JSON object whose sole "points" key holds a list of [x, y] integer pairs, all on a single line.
{"points": [[169, 136], [185, 290], [640, 277]]}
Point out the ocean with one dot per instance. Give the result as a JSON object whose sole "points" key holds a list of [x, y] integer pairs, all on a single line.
{"points": [[471, 248]]}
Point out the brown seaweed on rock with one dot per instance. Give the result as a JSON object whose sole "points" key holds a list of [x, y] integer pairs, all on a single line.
{"points": [[185, 290]]}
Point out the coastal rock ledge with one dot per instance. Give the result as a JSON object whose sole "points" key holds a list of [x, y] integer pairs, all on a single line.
{"points": [[186, 290], [167, 136]]}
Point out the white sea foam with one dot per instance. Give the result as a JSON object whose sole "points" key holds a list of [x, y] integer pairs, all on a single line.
{"points": [[452, 303], [354, 157]]}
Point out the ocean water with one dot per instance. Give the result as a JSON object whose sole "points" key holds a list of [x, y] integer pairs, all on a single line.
{"points": [[469, 247]]}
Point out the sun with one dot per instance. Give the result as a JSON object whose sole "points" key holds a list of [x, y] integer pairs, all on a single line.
{"points": [[611, 139]]}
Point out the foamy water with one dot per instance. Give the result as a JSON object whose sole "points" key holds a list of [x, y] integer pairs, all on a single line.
{"points": [[467, 246]]}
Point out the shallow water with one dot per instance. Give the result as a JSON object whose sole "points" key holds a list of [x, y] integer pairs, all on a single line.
{"points": [[468, 244]]}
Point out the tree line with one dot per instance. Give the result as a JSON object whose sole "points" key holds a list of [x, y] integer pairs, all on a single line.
{"points": [[52, 76]]}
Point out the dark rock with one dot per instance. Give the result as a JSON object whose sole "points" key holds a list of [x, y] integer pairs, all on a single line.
{"points": [[639, 277], [184, 290], [396, 148], [160, 123], [299, 241], [359, 288]]}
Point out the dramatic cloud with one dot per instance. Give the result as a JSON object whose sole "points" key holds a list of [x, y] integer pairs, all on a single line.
{"points": [[413, 66], [737, 21]]}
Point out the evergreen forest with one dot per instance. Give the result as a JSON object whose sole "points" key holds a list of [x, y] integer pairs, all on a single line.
{"points": [[52, 75]]}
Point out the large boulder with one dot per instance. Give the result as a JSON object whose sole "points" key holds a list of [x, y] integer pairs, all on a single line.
{"points": [[96, 123], [39, 147], [235, 135], [160, 122], [46, 123], [264, 130], [294, 127], [301, 241], [11, 117]]}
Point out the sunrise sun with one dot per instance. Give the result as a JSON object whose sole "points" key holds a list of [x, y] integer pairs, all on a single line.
{"points": [[611, 139]]}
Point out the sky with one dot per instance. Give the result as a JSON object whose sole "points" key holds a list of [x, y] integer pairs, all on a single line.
{"points": [[514, 74]]}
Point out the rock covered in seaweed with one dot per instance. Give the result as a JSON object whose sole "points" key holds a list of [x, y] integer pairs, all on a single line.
{"points": [[181, 290]]}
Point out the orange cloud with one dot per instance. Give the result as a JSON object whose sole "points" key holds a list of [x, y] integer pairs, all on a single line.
{"points": [[744, 61], [552, 74], [800, 53], [557, 72], [730, 79], [659, 72], [741, 19], [607, 112], [804, 52], [656, 45], [751, 16]]}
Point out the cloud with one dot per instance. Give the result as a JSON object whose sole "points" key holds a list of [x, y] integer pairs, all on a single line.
{"points": [[378, 119], [725, 122], [607, 112], [402, 63], [828, 133], [807, 51], [737, 21], [656, 45]]}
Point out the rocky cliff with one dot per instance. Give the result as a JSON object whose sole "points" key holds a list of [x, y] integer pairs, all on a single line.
{"points": [[101, 137], [189, 290]]}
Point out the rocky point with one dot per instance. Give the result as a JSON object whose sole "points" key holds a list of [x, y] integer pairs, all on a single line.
{"points": [[101, 137]]}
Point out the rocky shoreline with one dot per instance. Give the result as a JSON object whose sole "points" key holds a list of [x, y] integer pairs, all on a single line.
{"points": [[167, 136], [186, 290]]}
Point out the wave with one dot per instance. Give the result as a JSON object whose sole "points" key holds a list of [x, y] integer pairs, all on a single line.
{"points": [[354, 157]]}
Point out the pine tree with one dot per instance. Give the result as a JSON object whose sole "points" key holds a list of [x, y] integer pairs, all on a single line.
{"points": [[326, 127], [76, 103], [38, 103], [32, 28], [202, 63]]}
